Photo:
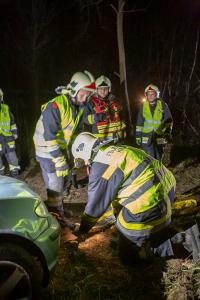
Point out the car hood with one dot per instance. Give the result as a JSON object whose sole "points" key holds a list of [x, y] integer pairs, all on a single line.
{"points": [[14, 188]]}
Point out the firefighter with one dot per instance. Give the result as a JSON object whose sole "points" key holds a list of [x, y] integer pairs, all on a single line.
{"points": [[103, 112], [8, 135], [140, 188], [154, 123], [55, 129]]}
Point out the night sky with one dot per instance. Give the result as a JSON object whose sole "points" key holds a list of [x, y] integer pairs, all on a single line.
{"points": [[76, 37], [44, 42]]}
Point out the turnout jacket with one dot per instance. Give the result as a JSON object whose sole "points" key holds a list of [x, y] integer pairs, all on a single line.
{"points": [[8, 130], [56, 126], [154, 123], [139, 187], [104, 117]]}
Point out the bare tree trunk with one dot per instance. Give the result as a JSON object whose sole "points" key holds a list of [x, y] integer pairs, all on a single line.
{"points": [[122, 60], [170, 75], [181, 66], [187, 88], [170, 81]]}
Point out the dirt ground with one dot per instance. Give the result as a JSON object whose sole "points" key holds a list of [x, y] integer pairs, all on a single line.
{"points": [[92, 269]]}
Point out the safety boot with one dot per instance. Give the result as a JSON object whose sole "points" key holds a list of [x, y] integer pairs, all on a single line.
{"points": [[58, 213], [55, 206], [2, 171], [14, 173]]}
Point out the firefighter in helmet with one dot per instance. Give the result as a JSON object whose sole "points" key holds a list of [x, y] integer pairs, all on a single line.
{"points": [[103, 115], [8, 135], [154, 123], [55, 129], [140, 188], [103, 112]]}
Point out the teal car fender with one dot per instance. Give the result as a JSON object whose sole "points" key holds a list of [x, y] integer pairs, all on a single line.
{"points": [[23, 214]]}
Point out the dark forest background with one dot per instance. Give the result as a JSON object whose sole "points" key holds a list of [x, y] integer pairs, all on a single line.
{"points": [[43, 42]]}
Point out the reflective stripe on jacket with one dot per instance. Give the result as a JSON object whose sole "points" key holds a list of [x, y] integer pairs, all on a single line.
{"points": [[61, 125]]}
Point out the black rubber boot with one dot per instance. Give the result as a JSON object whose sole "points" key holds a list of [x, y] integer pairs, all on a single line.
{"points": [[67, 212], [58, 213], [2, 172], [58, 210], [14, 173]]}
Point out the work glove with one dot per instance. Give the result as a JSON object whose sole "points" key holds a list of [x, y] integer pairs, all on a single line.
{"points": [[61, 166], [115, 107], [80, 236], [99, 117], [138, 141]]}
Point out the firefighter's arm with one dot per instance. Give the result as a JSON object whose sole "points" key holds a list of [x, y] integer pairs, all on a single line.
{"points": [[139, 126], [51, 122], [87, 222], [167, 123], [104, 182], [13, 125], [92, 116], [115, 106]]}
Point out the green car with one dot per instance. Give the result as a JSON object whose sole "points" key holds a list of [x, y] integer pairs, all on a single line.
{"points": [[29, 241]]}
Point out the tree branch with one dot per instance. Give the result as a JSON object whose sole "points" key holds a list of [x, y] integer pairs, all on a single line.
{"points": [[195, 55], [190, 124], [114, 8], [134, 10]]}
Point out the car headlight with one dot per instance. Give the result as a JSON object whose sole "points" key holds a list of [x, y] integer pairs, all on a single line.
{"points": [[41, 210]]}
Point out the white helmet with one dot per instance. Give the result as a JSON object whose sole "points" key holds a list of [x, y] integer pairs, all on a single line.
{"points": [[103, 81], [1, 94], [83, 145], [152, 87], [81, 80]]}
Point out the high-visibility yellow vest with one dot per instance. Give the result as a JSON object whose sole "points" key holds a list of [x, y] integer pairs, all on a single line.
{"points": [[152, 122], [5, 127]]}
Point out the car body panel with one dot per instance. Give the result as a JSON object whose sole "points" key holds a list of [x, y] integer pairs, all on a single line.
{"points": [[12, 188], [22, 213], [49, 243]]}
